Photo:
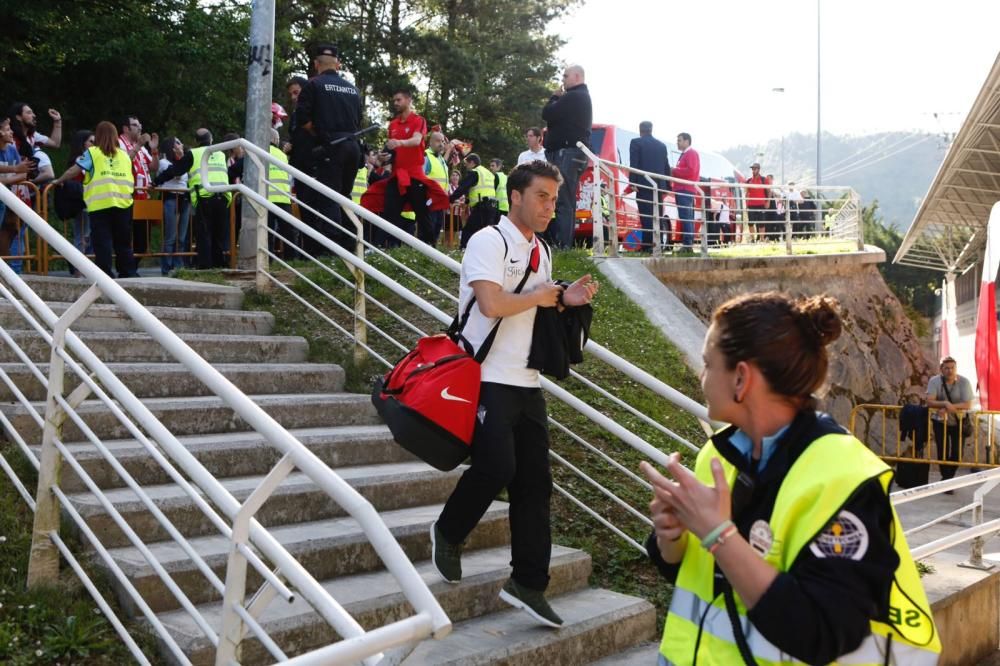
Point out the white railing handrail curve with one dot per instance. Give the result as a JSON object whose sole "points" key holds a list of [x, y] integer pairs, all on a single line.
{"points": [[656, 385], [434, 621]]}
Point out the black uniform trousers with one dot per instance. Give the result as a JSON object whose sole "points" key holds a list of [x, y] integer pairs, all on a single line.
{"points": [[211, 230], [510, 449], [416, 196], [336, 172], [482, 215], [647, 207], [947, 449], [111, 228]]}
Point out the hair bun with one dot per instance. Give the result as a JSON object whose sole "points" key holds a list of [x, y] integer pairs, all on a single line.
{"points": [[823, 315]]}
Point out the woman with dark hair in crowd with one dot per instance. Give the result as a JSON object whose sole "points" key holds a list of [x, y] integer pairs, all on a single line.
{"points": [[176, 208], [782, 543], [108, 184]]}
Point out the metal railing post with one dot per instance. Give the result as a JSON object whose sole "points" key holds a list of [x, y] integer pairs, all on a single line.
{"points": [[704, 228], [657, 232], [43, 561], [859, 213], [788, 227], [597, 210], [360, 312]]}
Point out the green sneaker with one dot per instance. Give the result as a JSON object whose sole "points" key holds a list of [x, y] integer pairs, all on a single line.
{"points": [[530, 601], [446, 557]]}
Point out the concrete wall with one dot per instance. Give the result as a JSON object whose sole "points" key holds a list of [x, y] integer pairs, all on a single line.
{"points": [[966, 607], [877, 359]]}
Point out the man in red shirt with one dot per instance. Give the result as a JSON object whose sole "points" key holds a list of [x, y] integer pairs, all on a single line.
{"points": [[133, 141], [688, 168], [756, 198], [408, 186]]}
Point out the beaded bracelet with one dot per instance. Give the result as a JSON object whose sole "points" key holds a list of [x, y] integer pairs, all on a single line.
{"points": [[723, 538], [714, 535]]}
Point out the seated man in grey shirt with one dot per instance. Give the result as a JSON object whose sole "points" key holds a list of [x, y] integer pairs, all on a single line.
{"points": [[948, 395]]}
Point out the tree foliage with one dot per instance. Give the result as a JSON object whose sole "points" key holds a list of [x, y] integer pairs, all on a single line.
{"points": [[177, 64], [913, 286]]}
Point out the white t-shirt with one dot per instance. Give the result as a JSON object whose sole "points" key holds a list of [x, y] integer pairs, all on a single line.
{"points": [[528, 156], [177, 182], [507, 362]]}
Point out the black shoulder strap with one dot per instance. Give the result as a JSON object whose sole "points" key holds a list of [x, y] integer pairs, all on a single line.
{"points": [[458, 324]]}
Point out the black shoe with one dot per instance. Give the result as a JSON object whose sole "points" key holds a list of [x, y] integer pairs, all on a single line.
{"points": [[531, 602], [446, 557]]}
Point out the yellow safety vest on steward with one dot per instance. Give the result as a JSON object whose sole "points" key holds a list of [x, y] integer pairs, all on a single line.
{"points": [[503, 205], [218, 174], [111, 183], [360, 185], [820, 482], [280, 189], [483, 189], [439, 171]]}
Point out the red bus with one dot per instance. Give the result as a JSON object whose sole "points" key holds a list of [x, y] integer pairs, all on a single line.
{"points": [[611, 143]]}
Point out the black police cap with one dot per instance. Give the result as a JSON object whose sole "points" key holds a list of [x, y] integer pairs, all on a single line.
{"points": [[325, 50]]}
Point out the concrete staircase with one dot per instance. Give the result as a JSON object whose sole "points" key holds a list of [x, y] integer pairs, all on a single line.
{"points": [[343, 430]]}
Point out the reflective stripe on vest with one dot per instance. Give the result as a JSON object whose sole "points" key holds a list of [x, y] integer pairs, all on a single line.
{"points": [[280, 189], [218, 174], [483, 189], [821, 481], [503, 205], [111, 183], [360, 185], [439, 171]]}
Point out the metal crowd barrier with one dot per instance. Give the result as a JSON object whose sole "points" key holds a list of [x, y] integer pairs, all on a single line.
{"points": [[879, 427]]}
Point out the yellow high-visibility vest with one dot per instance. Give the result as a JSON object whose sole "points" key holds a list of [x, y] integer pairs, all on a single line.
{"points": [[280, 189], [360, 185], [111, 183], [218, 174], [483, 189], [819, 483], [503, 205], [439, 170]]}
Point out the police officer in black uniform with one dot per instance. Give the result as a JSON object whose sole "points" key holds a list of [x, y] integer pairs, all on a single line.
{"points": [[329, 109]]}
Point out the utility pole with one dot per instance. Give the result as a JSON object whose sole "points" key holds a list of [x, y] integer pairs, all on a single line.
{"points": [[260, 73], [819, 125]]}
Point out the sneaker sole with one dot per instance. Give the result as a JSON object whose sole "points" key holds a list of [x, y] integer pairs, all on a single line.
{"points": [[517, 603], [434, 562]]}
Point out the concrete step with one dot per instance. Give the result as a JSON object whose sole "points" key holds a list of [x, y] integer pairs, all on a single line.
{"points": [[234, 454], [170, 292], [297, 500], [206, 415], [169, 380], [327, 549], [597, 623], [113, 347], [374, 599], [108, 317], [645, 653]]}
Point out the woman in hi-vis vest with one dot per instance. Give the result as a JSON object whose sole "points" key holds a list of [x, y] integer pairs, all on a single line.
{"points": [[782, 544], [108, 184]]}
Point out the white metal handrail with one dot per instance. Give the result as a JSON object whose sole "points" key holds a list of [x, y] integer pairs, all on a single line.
{"points": [[987, 482], [358, 262], [429, 619], [836, 217]]}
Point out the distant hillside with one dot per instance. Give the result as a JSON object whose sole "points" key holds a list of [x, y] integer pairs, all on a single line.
{"points": [[894, 167]]}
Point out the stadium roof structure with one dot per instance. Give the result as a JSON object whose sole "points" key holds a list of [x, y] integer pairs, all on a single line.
{"points": [[949, 231]]}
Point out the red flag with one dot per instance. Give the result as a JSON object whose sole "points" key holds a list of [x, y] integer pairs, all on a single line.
{"points": [[987, 360]]}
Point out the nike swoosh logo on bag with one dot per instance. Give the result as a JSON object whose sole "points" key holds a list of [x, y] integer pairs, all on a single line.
{"points": [[514, 261], [448, 396]]}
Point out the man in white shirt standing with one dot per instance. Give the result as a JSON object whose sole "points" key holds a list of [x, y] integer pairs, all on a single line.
{"points": [[511, 440], [133, 141], [535, 150]]}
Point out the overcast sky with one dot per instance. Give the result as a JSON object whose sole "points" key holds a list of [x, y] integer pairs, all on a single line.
{"points": [[708, 68]]}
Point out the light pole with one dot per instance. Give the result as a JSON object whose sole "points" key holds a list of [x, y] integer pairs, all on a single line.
{"points": [[781, 115], [819, 127]]}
